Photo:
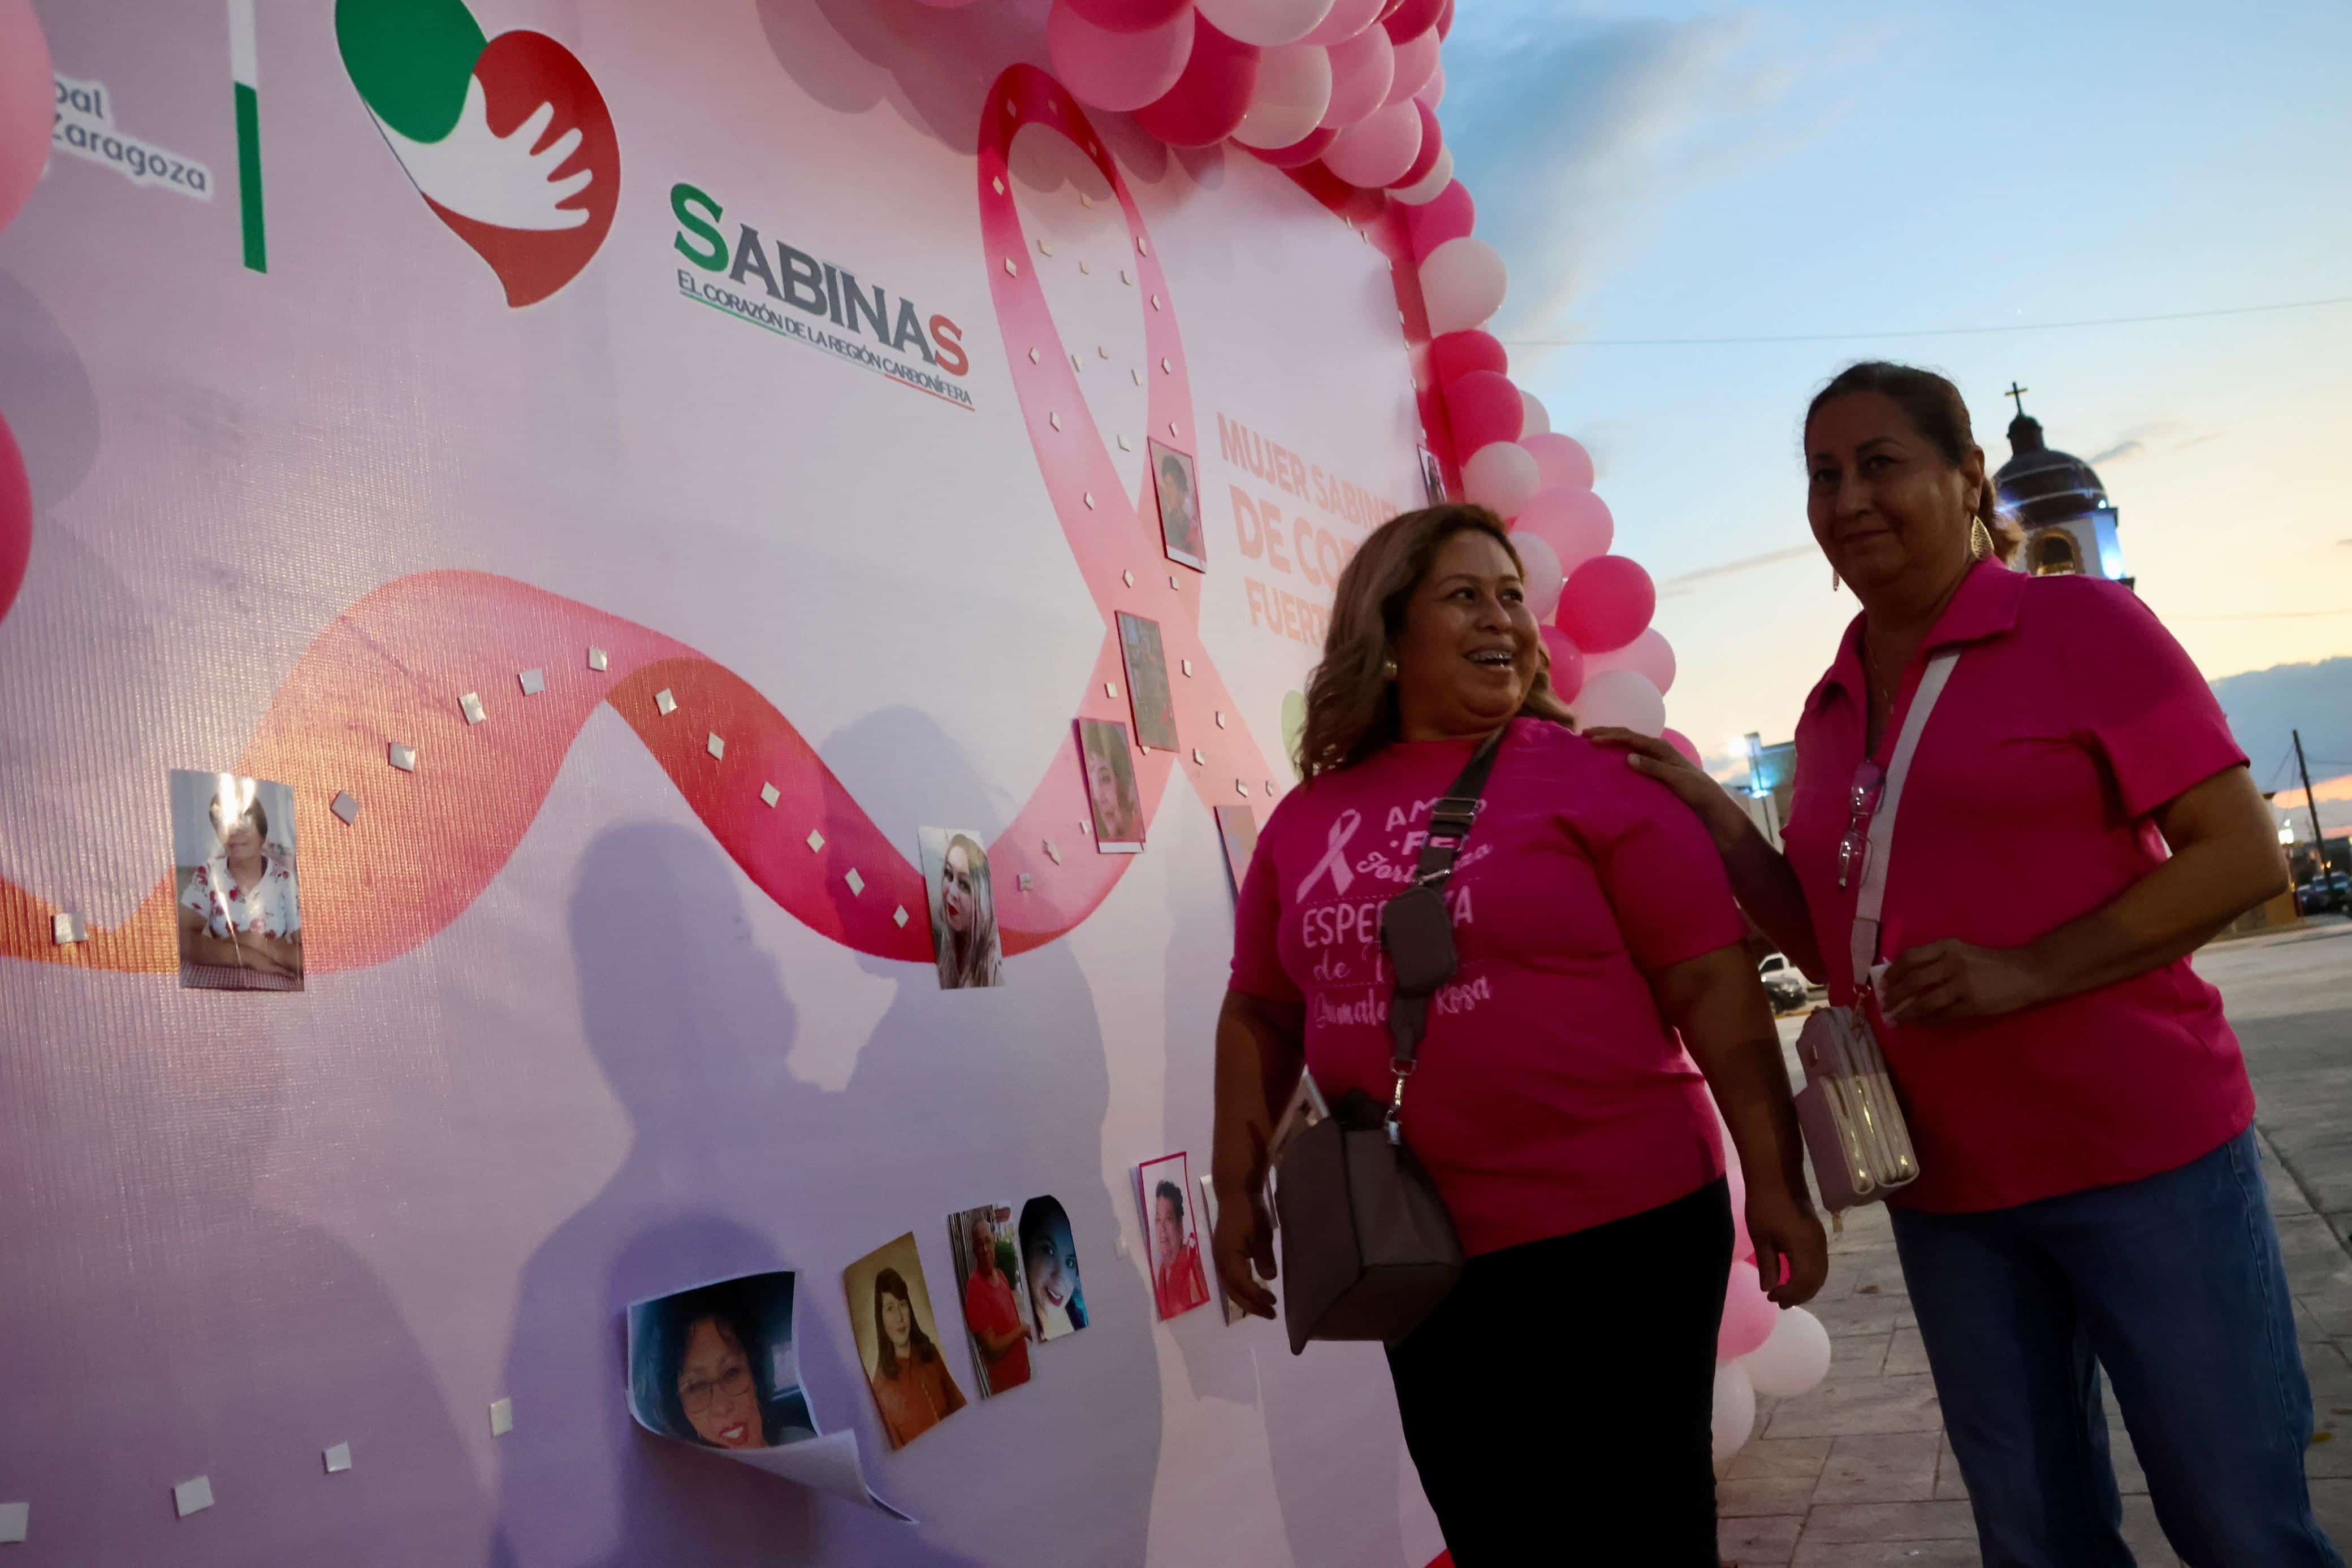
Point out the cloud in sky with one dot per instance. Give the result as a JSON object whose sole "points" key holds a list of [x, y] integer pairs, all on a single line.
{"points": [[2118, 453], [1683, 582]]}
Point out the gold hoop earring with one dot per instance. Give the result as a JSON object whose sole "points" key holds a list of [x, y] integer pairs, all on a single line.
{"points": [[1388, 668], [1979, 541]]}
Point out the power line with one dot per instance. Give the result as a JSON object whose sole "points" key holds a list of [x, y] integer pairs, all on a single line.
{"points": [[1923, 331]]}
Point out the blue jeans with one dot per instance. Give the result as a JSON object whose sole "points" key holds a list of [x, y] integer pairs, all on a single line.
{"points": [[2175, 1286]]}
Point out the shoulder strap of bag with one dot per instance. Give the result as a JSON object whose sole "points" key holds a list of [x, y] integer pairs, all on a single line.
{"points": [[1872, 896], [1449, 825]]}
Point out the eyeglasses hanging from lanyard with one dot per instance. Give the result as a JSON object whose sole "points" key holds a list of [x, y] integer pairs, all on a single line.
{"points": [[1862, 803]]}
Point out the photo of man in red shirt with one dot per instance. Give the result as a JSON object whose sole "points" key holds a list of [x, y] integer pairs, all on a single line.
{"points": [[992, 1309]]}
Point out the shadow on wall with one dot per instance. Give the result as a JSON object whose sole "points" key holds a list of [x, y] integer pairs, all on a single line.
{"points": [[957, 1098], [155, 1324]]}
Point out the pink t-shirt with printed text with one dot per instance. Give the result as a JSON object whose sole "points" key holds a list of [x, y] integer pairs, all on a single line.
{"points": [[2071, 715], [1551, 1096]]}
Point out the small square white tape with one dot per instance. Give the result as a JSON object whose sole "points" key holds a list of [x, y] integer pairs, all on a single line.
{"points": [[1136, 375], [1000, 183], [1110, 688], [339, 1458], [470, 704], [1077, 365], [1172, 427], [1184, 664], [16, 1522], [1045, 247], [857, 882], [1052, 853], [400, 756], [1012, 269], [598, 659], [1127, 577], [1026, 881], [345, 805], [1165, 368], [715, 746], [66, 930], [1269, 788], [193, 1496], [899, 915], [1220, 718], [1084, 200], [1142, 248], [501, 1417], [1123, 446], [533, 682], [770, 794], [1241, 786], [665, 704], [1089, 499], [816, 841], [1197, 756], [1054, 420], [1126, 277]]}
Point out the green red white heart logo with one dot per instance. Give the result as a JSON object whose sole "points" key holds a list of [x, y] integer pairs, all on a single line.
{"points": [[507, 139]]}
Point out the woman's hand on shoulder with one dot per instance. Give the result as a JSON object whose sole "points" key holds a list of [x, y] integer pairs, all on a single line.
{"points": [[1655, 758]]}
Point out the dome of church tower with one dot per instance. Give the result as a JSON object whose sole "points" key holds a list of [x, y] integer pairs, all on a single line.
{"points": [[2039, 484]]}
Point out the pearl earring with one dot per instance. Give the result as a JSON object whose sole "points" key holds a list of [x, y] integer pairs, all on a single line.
{"points": [[1389, 668]]}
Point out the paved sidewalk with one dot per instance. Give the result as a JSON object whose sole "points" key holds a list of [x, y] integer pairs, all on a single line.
{"points": [[1856, 1474]]}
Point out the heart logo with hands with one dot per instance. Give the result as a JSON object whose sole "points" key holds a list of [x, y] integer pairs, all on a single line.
{"points": [[507, 139]]}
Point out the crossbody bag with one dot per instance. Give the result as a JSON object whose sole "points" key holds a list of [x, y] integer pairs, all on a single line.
{"points": [[1368, 1249], [1855, 1132]]}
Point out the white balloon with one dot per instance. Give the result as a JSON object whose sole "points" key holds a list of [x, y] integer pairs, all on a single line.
{"points": [[1294, 89], [1265, 22], [1433, 184], [1463, 283], [1624, 698], [1735, 1410], [1649, 654], [1794, 1360], [1500, 474], [1539, 419], [1540, 573]]}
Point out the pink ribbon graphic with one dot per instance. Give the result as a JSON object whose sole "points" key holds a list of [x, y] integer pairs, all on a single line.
{"points": [[1335, 856]]}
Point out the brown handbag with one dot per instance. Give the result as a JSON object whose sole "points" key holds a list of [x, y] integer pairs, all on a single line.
{"points": [[1368, 1249]]}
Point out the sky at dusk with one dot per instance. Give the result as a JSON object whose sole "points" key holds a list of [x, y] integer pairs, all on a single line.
{"points": [[1857, 173]]}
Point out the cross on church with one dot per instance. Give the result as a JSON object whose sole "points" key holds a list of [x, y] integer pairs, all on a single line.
{"points": [[2019, 394]]}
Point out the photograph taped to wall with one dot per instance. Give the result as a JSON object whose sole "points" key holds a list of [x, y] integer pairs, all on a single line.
{"points": [[1172, 1235], [1146, 681], [1237, 826], [995, 1308], [1178, 485], [1049, 1260], [717, 1365], [1112, 788], [899, 1341], [1433, 478], [238, 909], [1234, 1311], [963, 909]]}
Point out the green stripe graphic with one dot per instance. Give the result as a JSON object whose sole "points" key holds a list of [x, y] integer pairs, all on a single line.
{"points": [[248, 176]]}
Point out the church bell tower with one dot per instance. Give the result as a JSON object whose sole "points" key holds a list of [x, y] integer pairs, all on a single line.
{"points": [[2070, 526]]}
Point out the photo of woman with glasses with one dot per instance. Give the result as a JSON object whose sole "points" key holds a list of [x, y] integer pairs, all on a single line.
{"points": [[715, 1365]]}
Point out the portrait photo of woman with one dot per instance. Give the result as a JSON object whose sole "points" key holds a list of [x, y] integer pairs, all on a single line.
{"points": [[898, 1340], [239, 913], [1179, 1283], [1180, 506], [1049, 1258], [1146, 681], [714, 1366], [963, 909], [1110, 786]]}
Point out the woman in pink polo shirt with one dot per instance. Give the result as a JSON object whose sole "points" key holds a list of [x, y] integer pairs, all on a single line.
{"points": [[2076, 821], [1563, 1393]]}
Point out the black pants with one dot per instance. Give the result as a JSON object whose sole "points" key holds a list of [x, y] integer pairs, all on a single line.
{"points": [[1559, 1403]]}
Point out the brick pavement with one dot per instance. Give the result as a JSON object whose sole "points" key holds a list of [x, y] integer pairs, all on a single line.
{"points": [[1857, 1473]]}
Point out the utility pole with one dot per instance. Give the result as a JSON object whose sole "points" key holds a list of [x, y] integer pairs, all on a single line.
{"points": [[2318, 844]]}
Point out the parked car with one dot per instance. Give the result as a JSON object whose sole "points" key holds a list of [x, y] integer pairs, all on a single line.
{"points": [[2323, 894], [1784, 983]]}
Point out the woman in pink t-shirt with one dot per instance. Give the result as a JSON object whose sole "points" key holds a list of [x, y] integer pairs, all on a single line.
{"points": [[2075, 822], [1563, 1391]]}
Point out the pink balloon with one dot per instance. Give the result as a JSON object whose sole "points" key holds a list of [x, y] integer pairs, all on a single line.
{"points": [[1112, 69], [1562, 459], [16, 516], [1449, 217], [1608, 602], [1411, 17], [1129, 15], [1208, 101], [1456, 354], [1265, 23], [1294, 89], [1377, 149], [1539, 576], [1361, 69], [27, 104], [1433, 142], [1416, 62], [1484, 407], [1682, 743], [1749, 1314], [1301, 152], [1500, 478], [1432, 93], [1567, 662], [1648, 655], [1344, 21], [1445, 20], [1573, 522]]}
